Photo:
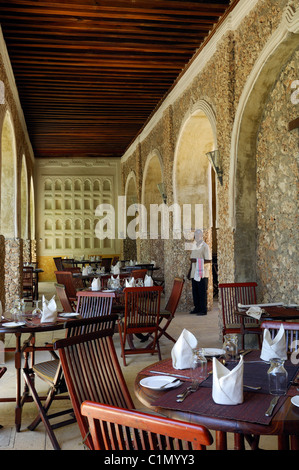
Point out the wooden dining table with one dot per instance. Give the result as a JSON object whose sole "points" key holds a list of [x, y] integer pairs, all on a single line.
{"points": [[246, 421], [26, 349], [275, 312]]}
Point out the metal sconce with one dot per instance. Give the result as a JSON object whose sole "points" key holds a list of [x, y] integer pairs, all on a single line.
{"points": [[215, 160], [161, 188]]}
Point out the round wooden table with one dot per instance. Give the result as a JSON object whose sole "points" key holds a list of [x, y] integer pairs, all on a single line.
{"points": [[284, 424], [26, 349]]}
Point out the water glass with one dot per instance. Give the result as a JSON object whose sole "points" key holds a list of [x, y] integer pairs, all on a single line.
{"points": [[199, 365], [230, 347], [277, 377]]}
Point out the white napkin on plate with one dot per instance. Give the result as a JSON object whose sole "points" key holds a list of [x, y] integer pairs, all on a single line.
{"points": [[130, 282], [182, 351], [148, 282], [96, 284], [275, 347], [227, 388], [255, 312], [49, 310]]}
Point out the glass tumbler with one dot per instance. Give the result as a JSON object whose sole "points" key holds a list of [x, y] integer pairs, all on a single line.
{"points": [[230, 347], [277, 377], [199, 365]]}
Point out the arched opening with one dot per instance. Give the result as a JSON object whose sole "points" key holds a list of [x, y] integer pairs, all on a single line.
{"points": [[195, 181], [24, 200], [256, 202], [151, 196], [130, 248], [8, 179]]}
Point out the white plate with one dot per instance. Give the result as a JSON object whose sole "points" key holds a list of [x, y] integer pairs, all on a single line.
{"points": [[67, 315], [213, 351], [156, 382], [14, 324], [295, 400], [108, 290]]}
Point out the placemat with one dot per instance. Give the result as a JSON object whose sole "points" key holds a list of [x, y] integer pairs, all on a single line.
{"points": [[252, 410]]}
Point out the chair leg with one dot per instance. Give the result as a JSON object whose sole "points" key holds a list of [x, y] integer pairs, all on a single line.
{"points": [[42, 412]]}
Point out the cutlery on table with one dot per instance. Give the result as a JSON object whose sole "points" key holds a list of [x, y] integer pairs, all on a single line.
{"points": [[168, 383], [189, 390], [251, 387], [272, 406]]}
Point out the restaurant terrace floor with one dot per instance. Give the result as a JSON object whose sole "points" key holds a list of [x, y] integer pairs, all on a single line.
{"points": [[203, 327]]}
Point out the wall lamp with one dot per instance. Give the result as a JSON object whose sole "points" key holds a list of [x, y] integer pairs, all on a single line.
{"points": [[161, 188], [215, 160]]}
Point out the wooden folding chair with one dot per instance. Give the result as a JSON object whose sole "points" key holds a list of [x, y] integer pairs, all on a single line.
{"points": [[92, 372], [94, 304], [142, 309], [169, 312], [112, 428], [64, 300], [232, 294], [51, 373], [66, 278], [139, 273], [58, 263], [28, 284]]}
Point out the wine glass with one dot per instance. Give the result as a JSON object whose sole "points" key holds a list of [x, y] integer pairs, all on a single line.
{"points": [[37, 311]]}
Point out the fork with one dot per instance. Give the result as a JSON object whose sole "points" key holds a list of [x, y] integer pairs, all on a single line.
{"points": [[168, 383], [189, 390]]}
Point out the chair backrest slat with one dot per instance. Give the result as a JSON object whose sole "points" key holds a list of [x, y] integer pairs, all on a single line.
{"points": [[114, 428], [176, 292], [232, 294], [94, 304]]}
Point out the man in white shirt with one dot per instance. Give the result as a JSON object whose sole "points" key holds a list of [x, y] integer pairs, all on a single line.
{"points": [[199, 273]]}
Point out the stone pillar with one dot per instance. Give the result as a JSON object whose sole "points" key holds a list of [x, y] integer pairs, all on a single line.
{"points": [[13, 270]]}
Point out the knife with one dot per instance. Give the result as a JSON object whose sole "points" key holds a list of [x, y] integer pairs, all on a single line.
{"points": [[272, 406]]}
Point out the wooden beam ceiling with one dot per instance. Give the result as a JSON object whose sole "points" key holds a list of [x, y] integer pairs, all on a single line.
{"points": [[90, 73]]}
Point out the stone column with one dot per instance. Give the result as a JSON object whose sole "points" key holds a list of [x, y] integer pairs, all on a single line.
{"points": [[13, 270]]}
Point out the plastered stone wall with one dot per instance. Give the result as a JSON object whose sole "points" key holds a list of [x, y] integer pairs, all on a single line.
{"points": [[220, 84], [11, 249]]}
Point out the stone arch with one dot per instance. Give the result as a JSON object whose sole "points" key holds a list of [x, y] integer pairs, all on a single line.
{"points": [[242, 186], [193, 177], [24, 199], [32, 209], [8, 179], [152, 176]]}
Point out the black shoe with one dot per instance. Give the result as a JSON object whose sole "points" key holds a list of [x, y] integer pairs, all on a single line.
{"points": [[194, 311], [200, 313]]}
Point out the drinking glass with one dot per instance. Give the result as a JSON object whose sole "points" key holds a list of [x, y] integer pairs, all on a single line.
{"points": [[199, 365], [37, 311], [277, 377], [230, 347]]}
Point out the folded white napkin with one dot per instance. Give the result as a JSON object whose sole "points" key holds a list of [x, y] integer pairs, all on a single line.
{"points": [[255, 312], [96, 284], [132, 263], [115, 269], [49, 310], [227, 388], [148, 282], [182, 351], [199, 269], [277, 304], [153, 263], [85, 271], [130, 282], [275, 347]]}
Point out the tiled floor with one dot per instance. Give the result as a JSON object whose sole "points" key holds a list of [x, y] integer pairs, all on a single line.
{"points": [[204, 328]]}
